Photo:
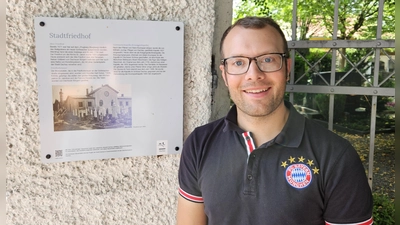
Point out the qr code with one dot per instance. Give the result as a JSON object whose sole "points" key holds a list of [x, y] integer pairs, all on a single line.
{"points": [[59, 153]]}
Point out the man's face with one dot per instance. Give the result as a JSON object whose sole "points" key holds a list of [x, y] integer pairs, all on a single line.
{"points": [[255, 93]]}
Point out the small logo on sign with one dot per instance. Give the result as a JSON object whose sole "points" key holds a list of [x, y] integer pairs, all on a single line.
{"points": [[298, 175], [162, 147]]}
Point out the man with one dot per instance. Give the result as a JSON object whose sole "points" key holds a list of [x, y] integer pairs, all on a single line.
{"points": [[264, 163]]}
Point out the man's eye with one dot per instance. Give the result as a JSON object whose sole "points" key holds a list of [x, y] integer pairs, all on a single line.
{"points": [[268, 60], [238, 63]]}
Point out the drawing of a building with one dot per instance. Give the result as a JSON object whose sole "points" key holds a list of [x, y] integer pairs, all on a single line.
{"points": [[99, 103]]}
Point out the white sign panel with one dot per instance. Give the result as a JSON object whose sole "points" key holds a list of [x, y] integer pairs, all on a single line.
{"points": [[109, 88]]}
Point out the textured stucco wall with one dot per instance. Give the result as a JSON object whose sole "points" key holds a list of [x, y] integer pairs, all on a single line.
{"points": [[220, 95], [136, 190]]}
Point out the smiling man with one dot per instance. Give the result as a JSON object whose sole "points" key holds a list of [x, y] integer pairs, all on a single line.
{"points": [[264, 163]]}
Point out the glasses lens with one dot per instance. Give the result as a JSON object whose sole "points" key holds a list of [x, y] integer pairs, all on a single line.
{"points": [[270, 62], [236, 65]]}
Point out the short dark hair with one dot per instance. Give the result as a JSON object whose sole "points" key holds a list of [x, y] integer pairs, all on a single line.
{"points": [[254, 22]]}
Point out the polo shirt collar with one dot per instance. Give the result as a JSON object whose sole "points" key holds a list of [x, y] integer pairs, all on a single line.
{"points": [[231, 121], [291, 134]]}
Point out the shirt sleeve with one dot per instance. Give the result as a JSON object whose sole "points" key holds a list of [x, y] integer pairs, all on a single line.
{"points": [[188, 171], [348, 197]]}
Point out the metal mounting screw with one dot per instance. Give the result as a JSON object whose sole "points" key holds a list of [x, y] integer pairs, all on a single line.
{"points": [[177, 28], [42, 24]]}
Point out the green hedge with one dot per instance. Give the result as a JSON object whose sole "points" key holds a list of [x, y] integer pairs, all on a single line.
{"points": [[322, 102], [383, 211]]}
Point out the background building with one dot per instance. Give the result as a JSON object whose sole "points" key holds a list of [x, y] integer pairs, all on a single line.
{"points": [[102, 101]]}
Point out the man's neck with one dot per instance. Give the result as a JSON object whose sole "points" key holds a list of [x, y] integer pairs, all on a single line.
{"points": [[264, 128]]}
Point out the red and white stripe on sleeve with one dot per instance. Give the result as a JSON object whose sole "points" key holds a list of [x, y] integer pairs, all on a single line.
{"points": [[367, 222], [190, 197]]}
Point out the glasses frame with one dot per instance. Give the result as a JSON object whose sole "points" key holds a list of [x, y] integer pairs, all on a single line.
{"points": [[283, 56]]}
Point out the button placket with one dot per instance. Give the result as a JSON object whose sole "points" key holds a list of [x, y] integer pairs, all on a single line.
{"points": [[249, 187]]}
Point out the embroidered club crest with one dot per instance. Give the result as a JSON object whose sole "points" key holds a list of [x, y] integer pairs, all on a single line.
{"points": [[298, 175]]}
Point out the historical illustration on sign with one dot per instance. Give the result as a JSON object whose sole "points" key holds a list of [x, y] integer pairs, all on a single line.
{"points": [[79, 107], [109, 88]]}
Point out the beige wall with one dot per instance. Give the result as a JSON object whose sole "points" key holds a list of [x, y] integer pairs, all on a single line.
{"points": [[220, 95], [136, 190]]}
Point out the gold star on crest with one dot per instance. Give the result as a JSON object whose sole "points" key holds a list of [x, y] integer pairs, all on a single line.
{"points": [[316, 170], [301, 159], [310, 162], [292, 160], [284, 164]]}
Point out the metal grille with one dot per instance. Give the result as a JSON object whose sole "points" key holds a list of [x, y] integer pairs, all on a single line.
{"points": [[335, 85]]}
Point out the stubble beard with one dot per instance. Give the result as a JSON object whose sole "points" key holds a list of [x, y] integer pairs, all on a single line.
{"points": [[260, 109]]}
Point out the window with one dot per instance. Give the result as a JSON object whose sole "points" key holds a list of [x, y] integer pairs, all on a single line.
{"points": [[80, 104], [89, 104], [101, 103], [127, 103]]}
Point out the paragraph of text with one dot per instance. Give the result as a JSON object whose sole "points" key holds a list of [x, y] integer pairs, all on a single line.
{"points": [[138, 60]]}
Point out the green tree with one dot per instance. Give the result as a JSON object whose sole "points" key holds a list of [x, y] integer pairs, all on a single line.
{"points": [[357, 19]]}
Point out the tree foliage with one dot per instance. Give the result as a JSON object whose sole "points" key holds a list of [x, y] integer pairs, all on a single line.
{"points": [[357, 19]]}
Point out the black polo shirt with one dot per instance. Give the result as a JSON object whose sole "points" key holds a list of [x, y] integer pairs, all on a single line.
{"points": [[305, 175]]}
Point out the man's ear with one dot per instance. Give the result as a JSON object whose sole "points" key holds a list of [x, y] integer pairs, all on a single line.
{"points": [[223, 74], [288, 67]]}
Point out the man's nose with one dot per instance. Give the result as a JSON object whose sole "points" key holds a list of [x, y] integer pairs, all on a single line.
{"points": [[254, 73]]}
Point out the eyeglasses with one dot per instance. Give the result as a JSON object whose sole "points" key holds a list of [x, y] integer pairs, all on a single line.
{"points": [[237, 65]]}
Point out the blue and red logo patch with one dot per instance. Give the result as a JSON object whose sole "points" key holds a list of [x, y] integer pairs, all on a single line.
{"points": [[298, 172], [298, 175]]}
